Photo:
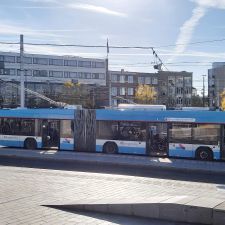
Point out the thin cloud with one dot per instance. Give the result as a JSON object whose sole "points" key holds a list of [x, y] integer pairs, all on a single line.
{"points": [[7, 28], [187, 30], [96, 9], [220, 4]]}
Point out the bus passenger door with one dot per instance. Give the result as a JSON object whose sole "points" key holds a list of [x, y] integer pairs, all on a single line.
{"points": [[157, 140], [50, 134]]}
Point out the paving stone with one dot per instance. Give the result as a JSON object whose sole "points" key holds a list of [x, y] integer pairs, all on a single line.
{"points": [[24, 191]]}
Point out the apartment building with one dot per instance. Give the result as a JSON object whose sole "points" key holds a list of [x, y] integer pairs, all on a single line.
{"points": [[216, 83], [48, 73], [173, 89], [124, 84]]}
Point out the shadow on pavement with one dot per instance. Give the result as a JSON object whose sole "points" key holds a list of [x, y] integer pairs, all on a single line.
{"points": [[117, 219], [101, 167]]}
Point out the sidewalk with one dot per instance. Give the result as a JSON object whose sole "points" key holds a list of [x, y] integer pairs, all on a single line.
{"points": [[123, 160], [43, 196]]}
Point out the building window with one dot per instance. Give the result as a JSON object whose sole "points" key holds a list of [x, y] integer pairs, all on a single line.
{"points": [[41, 61], [40, 73], [9, 59], [171, 81], [130, 79], [187, 90], [122, 91], [11, 72], [179, 101], [88, 76], [101, 76], [122, 79], [26, 60], [67, 74], [98, 65], [26, 72], [56, 62], [147, 80], [141, 80], [130, 91], [187, 81], [179, 80], [114, 78], [179, 91], [1, 58], [95, 76], [55, 74], [70, 63], [114, 91], [2, 72], [73, 74], [171, 90], [84, 64], [154, 80]]}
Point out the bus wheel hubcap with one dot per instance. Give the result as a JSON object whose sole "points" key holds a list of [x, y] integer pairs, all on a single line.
{"points": [[204, 155]]}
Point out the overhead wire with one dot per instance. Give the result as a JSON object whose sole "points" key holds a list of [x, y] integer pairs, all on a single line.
{"points": [[116, 46]]}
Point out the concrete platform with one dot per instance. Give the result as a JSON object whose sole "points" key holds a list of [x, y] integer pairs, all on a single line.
{"points": [[219, 214], [210, 211], [114, 160]]}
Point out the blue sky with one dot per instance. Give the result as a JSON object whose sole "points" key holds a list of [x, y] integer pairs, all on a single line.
{"points": [[123, 22]]}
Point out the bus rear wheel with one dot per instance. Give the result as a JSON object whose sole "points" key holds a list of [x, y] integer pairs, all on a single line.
{"points": [[204, 153], [30, 143], [110, 148]]}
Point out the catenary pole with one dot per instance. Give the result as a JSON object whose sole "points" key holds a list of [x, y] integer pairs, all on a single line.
{"points": [[22, 94], [108, 74]]}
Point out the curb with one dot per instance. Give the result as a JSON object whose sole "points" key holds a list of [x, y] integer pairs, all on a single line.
{"points": [[175, 209], [121, 160]]}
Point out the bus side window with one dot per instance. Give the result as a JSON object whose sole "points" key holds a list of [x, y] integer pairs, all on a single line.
{"points": [[6, 128]]}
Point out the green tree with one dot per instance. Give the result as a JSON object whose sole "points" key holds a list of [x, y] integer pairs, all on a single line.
{"points": [[196, 101], [222, 101], [145, 94], [76, 94]]}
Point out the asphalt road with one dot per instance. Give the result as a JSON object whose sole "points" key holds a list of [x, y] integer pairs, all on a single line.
{"points": [[109, 169]]}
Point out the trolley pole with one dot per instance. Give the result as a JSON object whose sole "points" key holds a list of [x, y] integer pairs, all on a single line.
{"points": [[22, 95]]}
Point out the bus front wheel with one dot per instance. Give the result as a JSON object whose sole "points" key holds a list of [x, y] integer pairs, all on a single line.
{"points": [[204, 153], [110, 148], [30, 143]]}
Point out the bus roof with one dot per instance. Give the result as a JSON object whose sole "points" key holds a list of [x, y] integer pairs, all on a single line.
{"points": [[122, 115], [38, 113], [141, 107], [162, 116]]}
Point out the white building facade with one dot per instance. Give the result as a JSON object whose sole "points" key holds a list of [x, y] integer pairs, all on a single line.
{"points": [[57, 69], [47, 73]]}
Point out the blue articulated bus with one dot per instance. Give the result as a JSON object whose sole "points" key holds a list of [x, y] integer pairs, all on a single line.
{"points": [[169, 133], [175, 133], [37, 128]]}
